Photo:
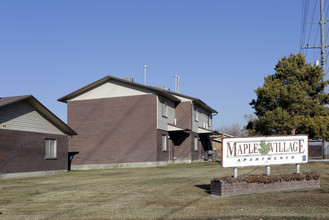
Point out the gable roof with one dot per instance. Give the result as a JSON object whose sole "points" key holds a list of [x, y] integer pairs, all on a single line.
{"points": [[125, 81], [168, 94], [40, 108]]}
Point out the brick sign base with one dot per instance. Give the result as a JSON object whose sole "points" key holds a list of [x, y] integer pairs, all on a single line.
{"points": [[222, 188]]}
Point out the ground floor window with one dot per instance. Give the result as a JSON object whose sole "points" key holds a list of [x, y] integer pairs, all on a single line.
{"points": [[195, 143], [164, 142], [50, 149]]}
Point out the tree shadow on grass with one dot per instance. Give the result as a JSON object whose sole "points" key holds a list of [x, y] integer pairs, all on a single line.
{"points": [[205, 187]]}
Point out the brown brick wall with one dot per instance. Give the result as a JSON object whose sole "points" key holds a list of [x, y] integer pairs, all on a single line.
{"points": [[205, 145], [114, 130], [196, 155], [183, 115], [219, 188], [22, 151], [179, 146], [182, 145], [164, 155]]}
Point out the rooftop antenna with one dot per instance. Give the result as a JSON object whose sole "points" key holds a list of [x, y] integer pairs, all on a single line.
{"points": [[144, 74], [175, 76]]}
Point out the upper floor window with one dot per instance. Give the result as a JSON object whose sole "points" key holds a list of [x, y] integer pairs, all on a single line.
{"points": [[50, 149], [164, 109], [196, 114]]}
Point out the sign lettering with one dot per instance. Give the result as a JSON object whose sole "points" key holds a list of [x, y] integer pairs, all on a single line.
{"points": [[264, 151]]}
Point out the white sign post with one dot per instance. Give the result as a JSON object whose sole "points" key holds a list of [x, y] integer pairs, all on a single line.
{"points": [[264, 151]]}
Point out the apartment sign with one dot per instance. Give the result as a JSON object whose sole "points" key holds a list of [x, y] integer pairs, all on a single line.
{"points": [[264, 151]]}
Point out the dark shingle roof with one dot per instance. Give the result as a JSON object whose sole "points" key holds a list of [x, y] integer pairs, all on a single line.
{"points": [[11, 100]]}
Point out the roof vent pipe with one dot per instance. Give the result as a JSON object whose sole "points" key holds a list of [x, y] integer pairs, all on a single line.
{"points": [[144, 74], [177, 83]]}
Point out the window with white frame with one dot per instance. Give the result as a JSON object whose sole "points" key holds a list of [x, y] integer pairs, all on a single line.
{"points": [[164, 109], [196, 143], [196, 114], [50, 149], [164, 142]]}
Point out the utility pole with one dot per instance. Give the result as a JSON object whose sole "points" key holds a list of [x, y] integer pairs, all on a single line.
{"points": [[323, 42]]}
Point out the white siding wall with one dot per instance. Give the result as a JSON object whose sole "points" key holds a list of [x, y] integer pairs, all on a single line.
{"points": [[112, 89], [162, 121], [23, 117], [203, 119]]}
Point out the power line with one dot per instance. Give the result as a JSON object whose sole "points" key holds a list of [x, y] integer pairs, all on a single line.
{"points": [[323, 38], [326, 6], [302, 26], [303, 23], [312, 22], [326, 12]]}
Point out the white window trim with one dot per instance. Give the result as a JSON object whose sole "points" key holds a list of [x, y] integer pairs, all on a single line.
{"points": [[50, 153]]}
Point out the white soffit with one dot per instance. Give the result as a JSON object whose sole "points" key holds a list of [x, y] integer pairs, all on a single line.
{"points": [[183, 99], [204, 131], [174, 128]]}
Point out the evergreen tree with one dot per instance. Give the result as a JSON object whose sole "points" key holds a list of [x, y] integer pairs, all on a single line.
{"points": [[292, 101]]}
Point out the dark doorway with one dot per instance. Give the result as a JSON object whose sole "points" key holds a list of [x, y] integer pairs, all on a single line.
{"points": [[206, 148], [180, 146]]}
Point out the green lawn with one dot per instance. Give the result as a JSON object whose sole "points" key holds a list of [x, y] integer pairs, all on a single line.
{"points": [[170, 192]]}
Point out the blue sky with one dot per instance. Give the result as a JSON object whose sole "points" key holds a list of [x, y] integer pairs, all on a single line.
{"points": [[222, 50]]}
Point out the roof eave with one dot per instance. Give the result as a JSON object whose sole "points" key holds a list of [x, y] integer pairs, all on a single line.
{"points": [[196, 100], [204, 105], [83, 89], [107, 78]]}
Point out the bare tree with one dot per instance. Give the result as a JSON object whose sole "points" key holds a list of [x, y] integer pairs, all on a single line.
{"points": [[235, 130]]}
